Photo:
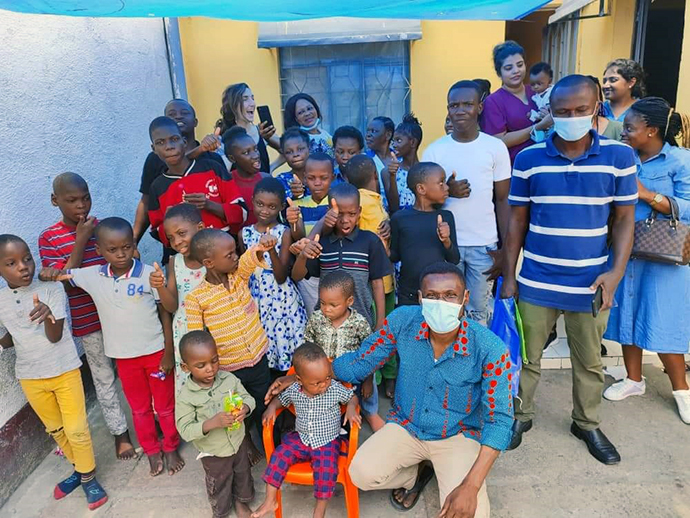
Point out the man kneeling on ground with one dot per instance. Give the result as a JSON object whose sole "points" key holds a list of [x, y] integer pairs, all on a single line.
{"points": [[452, 405]]}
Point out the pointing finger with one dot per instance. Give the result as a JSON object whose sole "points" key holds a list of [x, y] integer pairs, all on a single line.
{"points": [[65, 277]]}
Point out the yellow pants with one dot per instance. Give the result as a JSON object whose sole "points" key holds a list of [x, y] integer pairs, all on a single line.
{"points": [[59, 403]]}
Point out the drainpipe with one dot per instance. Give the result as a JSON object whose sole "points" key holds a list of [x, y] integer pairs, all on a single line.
{"points": [[173, 47]]}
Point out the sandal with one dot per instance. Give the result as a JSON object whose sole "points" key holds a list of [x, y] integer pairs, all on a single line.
{"points": [[425, 475]]}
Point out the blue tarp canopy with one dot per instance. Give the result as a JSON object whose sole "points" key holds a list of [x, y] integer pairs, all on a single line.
{"points": [[283, 10]]}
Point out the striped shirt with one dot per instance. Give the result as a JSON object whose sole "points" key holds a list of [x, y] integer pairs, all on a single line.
{"points": [[232, 317], [570, 202], [361, 254], [312, 211], [55, 246]]}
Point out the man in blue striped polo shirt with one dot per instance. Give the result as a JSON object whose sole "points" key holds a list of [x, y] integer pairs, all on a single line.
{"points": [[562, 193]]}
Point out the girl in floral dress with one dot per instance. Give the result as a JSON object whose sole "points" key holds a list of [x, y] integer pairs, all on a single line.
{"points": [[184, 273], [280, 305]]}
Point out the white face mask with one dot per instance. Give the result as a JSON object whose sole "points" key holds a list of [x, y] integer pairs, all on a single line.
{"points": [[442, 316], [572, 128]]}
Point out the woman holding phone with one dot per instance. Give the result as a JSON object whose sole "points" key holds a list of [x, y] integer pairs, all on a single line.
{"points": [[653, 299], [238, 109]]}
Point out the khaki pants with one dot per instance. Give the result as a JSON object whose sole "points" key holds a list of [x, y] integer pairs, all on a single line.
{"points": [[60, 405], [389, 460], [584, 340]]}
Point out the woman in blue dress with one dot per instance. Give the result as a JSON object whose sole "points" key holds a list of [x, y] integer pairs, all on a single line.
{"points": [[653, 299]]}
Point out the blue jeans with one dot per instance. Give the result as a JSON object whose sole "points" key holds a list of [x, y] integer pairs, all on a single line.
{"points": [[474, 261], [368, 406]]}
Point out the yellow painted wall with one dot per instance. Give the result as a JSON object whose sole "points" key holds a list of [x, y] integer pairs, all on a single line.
{"points": [[220, 52], [601, 40], [683, 101], [448, 52]]}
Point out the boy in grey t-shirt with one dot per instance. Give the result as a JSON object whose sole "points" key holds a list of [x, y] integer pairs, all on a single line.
{"points": [[32, 319]]}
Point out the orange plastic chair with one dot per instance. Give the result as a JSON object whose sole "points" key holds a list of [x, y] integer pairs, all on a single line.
{"points": [[301, 473]]}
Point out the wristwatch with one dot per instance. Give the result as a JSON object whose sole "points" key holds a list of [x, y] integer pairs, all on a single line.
{"points": [[658, 198]]}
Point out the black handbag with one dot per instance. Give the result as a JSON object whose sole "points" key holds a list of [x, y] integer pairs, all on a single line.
{"points": [[662, 240]]}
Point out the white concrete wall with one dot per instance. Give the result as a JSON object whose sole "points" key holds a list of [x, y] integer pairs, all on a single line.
{"points": [[76, 94]]}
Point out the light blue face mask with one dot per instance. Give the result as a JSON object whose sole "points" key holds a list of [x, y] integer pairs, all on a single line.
{"points": [[313, 126], [572, 129], [442, 316]]}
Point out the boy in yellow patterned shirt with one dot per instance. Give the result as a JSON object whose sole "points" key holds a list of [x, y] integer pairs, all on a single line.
{"points": [[223, 305]]}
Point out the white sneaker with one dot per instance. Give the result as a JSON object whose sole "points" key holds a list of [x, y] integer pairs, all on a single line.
{"points": [[682, 398], [625, 388]]}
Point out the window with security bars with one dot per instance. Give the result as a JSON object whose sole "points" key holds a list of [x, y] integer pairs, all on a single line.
{"points": [[353, 83]]}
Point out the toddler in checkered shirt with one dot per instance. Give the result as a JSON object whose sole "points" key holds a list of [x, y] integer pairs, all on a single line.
{"points": [[316, 397]]}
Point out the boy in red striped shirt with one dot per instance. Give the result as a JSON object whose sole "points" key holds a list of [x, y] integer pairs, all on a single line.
{"points": [[70, 243]]}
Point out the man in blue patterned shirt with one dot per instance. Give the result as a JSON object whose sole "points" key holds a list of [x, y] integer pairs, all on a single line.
{"points": [[452, 403]]}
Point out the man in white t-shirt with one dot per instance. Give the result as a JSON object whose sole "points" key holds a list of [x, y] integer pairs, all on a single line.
{"points": [[483, 164]]}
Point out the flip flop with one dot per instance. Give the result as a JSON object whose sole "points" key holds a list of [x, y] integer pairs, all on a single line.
{"points": [[423, 479]]}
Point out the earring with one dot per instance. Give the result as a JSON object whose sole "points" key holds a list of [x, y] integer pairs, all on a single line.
{"points": [[649, 135]]}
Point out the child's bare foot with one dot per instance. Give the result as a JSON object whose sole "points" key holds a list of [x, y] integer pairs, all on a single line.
{"points": [[124, 450], [242, 510], [174, 462], [156, 462], [268, 507], [255, 455]]}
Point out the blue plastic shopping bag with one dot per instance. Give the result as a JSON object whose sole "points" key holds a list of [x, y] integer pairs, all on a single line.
{"points": [[507, 325]]}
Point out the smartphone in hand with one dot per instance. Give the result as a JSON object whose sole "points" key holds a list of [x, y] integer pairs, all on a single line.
{"points": [[265, 115], [597, 301]]}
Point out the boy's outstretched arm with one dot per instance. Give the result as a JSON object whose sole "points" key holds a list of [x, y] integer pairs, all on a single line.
{"points": [[56, 275]]}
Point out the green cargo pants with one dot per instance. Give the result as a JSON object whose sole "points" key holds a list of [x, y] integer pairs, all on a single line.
{"points": [[584, 340]]}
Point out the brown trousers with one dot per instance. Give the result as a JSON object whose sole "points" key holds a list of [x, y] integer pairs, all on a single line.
{"points": [[228, 479]]}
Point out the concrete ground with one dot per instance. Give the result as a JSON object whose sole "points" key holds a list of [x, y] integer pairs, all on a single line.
{"points": [[550, 475]]}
